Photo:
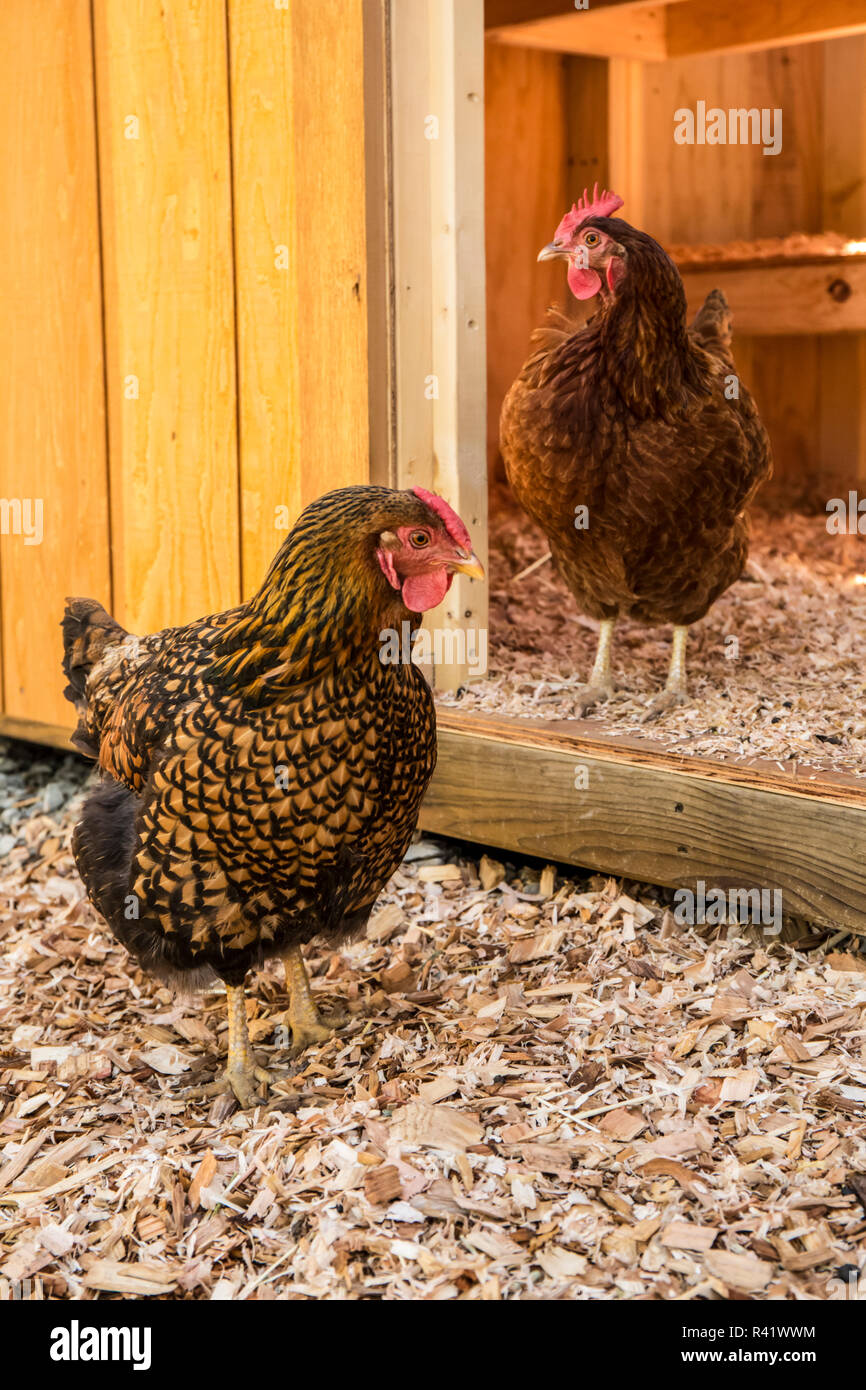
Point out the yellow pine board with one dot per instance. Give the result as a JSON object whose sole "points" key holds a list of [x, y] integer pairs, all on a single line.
{"points": [[165, 172], [297, 95], [52, 422]]}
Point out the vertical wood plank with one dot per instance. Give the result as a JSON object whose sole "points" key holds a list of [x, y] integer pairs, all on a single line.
{"points": [[696, 192], [378, 174], [52, 446], [163, 119], [526, 195], [437, 57], [587, 133], [708, 193], [459, 310], [267, 278], [413, 257], [842, 360], [297, 76], [626, 134]]}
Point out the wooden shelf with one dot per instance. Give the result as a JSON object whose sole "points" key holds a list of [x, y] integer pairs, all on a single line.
{"points": [[651, 815], [676, 29], [815, 295]]}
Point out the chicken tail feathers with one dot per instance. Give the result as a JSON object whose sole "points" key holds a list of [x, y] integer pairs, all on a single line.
{"points": [[713, 325]]}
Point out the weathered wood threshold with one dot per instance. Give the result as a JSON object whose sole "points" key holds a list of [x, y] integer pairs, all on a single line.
{"points": [[561, 791], [621, 806]]}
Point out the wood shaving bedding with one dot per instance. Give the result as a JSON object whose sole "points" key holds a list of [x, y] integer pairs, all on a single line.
{"points": [[545, 1089], [777, 668]]}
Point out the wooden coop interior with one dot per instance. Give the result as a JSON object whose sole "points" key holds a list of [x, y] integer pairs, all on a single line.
{"points": [[574, 97], [577, 97], [234, 254]]}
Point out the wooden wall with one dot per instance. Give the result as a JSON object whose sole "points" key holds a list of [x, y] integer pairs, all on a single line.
{"points": [[184, 294], [575, 118], [546, 135], [52, 404], [809, 388]]}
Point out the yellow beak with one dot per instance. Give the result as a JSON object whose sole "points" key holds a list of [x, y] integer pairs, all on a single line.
{"points": [[471, 566]]}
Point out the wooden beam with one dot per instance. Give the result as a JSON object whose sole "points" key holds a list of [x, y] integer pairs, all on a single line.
{"points": [[378, 156], [504, 12], [768, 300], [437, 71], [704, 26], [676, 29], [625, 31], [535, 789]]}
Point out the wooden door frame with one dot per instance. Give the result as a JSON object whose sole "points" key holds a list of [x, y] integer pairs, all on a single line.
{"points": [[427, 320]]}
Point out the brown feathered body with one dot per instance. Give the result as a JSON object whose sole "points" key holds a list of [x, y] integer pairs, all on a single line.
{"points": [[628, 417], [262, 769]]}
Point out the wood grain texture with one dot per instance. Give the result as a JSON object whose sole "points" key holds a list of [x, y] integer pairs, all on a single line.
{"points": [[169, 307], [807, 388], [378, 176], [297, 98], [625, 118], [52, 445], [699, 193], [501, 782], [437, 128], [500, 12], [787, 299], [703, 26], [626, 31], [842, 360], [786, 382], [671, 30], [459, 306], [527, 192]]}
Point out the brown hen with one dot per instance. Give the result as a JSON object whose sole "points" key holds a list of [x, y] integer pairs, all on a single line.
{"points": [[632, 442], [262, 769]]}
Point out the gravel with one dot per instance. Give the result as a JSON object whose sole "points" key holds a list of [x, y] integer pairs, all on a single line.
{"points": [[35, 781]]}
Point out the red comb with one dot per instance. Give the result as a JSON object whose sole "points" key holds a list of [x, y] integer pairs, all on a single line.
{"points": [[453, 525], [602, 205]]}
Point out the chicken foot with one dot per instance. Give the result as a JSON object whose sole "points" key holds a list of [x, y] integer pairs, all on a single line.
{"points": [[600, 685], [676, 689], [242, 1073], [302, 1016]]}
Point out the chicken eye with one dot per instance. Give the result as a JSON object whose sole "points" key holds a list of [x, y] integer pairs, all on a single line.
{"points": [[419, 539], [591, 239]]}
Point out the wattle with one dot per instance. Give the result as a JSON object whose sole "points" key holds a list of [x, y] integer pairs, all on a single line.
{"points": [[423, 591], [582, 282]]}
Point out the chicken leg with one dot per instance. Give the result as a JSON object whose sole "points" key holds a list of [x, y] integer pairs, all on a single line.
{"points": [[676, 689], [302, 1016], [600, 685], [242, 1071]]}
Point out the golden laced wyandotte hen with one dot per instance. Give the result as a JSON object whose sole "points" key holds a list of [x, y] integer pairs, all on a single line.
{"points": [[643, 423], [262, 769]]}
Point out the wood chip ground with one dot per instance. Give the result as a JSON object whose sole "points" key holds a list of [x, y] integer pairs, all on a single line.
{"points": [[544, 1089], [777, 668]]}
